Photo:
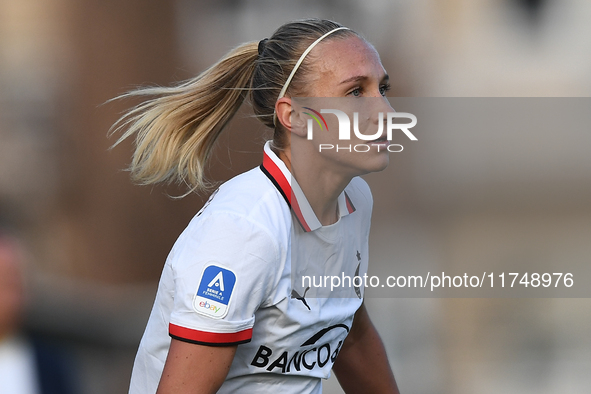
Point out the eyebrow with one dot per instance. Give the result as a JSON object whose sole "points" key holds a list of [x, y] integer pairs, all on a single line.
{"points": [[357, 78]]}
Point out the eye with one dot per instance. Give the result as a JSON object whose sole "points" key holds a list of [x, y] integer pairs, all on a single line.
{"points": [[384, 89], [355, 92]]}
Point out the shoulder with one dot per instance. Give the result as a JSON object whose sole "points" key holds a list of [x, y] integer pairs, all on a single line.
{"points": [[248, 198], [245, 216], [251, 195]]}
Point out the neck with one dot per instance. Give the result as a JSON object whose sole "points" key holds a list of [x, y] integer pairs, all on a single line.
{"points": [[320, 185]]}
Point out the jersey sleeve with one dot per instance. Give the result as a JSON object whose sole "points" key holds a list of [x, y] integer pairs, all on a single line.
{"points": [[224, 268]]}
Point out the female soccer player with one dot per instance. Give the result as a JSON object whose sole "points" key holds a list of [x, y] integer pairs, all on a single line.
{"points": [[227, 316]]}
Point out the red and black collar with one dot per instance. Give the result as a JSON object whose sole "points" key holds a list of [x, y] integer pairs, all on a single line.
{"points": [[279, 175]]}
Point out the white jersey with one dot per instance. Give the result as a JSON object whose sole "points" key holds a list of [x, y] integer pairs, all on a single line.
{"points": [[228, 281]]}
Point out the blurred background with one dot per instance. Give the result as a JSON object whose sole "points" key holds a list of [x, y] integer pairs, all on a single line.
{"points": [[87, 247]]}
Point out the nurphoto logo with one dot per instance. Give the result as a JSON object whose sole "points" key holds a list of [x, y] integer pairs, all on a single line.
{"points": [[372, 127]]}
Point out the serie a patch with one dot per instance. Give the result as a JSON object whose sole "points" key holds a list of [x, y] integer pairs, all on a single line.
{"points": [[214, 291]]}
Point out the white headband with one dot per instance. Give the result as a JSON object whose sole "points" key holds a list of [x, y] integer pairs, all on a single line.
{"points": [[300, 60]]}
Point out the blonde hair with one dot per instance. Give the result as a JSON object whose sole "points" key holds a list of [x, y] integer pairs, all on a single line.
{"points": [[175, 131]]}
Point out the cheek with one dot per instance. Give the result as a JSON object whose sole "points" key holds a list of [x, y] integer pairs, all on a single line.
{"points": [[324, 130], [332, 133]]}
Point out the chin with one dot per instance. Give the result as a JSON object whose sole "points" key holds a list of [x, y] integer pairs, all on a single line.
{"points": [[376, 163], [382, 164]]}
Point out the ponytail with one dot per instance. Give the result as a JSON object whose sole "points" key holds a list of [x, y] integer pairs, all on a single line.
{"points": [[176, 131]]}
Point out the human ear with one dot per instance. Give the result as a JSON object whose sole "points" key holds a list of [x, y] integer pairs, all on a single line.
{"points": [[283, 110]]}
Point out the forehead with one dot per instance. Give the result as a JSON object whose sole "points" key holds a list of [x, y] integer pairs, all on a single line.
{"points": [[341, 58]]}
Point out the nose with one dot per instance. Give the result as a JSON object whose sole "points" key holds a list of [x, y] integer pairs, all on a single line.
{"points": [[386, 105], [380, 105]]}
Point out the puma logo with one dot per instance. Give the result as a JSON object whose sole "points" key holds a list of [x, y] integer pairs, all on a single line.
{"points": [[295, 294]]}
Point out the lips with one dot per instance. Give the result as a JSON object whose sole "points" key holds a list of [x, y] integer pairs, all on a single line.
{"points": [[381, 140]]}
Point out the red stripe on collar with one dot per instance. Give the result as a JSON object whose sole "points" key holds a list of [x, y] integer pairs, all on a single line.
{"points": [[276, 176], [350, 206]]}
